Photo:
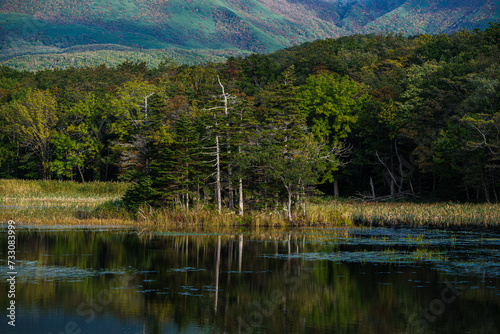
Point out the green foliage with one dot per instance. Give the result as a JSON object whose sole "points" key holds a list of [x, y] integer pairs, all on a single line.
{"points": [[333, 104], [139, 193], [33, 119]]}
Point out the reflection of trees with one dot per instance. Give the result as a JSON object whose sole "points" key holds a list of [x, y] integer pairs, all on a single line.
{"points": [[236, 280]]}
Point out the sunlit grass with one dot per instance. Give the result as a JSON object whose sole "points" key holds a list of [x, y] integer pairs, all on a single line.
{"points": [[62, 202], [203, 217], [99, 203], [25, 189], [420, 214]]}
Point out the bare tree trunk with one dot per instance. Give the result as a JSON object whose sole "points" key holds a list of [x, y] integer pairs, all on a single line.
{"points": [[303, 201], [44, 168], [466, 190], [240, 205], [81, 173], [391, 175], [198, 194], [493, 186], [228, 148], [335, 189], [400, 186], [289, 203], [145, 121], [486, 192], [230, 189], [373, 188]]}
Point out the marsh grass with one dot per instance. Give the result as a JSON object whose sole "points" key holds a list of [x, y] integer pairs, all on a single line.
{"points": [[99, 203], [326, 215], [421, 214], [202, 217], [19, 189], [34, 202]]}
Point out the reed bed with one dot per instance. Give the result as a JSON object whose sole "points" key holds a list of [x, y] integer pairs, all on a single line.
{"points": [[34, 202], [99, 203], [202, 217], [19, 189], [422, 214]]}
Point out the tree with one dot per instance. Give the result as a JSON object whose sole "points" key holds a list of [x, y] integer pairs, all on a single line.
{"points": [[129, 124], [332, 104], [286, 152], [34, 118], [175, 158], [82, 141]]}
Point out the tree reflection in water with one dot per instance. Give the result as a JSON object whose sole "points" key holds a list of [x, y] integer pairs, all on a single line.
{"points": [[283, 282]]}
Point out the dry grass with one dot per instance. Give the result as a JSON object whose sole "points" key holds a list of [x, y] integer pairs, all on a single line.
{"points": [[98, 204], [421, 214], [62, 203]]}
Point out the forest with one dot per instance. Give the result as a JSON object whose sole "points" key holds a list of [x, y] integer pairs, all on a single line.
{"points": [[369, 116]]}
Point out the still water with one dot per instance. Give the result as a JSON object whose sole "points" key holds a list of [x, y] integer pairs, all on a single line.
{"points": [[346, 280]]}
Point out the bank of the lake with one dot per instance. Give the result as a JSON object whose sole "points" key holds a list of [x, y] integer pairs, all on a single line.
{"points": [[99, 204]]}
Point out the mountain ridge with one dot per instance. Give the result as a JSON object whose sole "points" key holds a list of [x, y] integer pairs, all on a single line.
{"points": [[31, 27]]}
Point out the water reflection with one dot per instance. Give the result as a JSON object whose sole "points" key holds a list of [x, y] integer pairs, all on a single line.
{"points": [[312, 281]]}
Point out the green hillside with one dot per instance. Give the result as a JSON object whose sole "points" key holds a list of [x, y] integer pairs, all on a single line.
{"points": [[89, 29]]}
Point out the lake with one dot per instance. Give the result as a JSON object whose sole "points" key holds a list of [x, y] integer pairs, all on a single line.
{"points": [[343, 280]]}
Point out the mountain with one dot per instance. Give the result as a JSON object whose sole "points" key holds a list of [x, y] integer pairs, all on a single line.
{"points": [[79, 30]]}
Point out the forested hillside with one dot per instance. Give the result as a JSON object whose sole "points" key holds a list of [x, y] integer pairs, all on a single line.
{"points": [[380, 114], [56, 34]]}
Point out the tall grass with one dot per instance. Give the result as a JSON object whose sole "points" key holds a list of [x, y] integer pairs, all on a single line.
{"points": [[55, 189], [99, 203], [445, 214], [202, 217], [62, 202]]}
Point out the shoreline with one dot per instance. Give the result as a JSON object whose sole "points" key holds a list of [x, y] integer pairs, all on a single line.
{"points": [[55, 203]]}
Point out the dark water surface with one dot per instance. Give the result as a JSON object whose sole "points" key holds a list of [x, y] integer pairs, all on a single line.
{"points": [[349, 280]]}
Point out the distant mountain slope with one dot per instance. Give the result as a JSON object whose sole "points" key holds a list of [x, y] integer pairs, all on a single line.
{"points": [[439, 16], [30, 27]]}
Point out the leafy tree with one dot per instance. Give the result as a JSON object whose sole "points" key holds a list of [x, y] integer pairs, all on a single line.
{"points": [[332, 104], [128, 127], [285, 152], [33, 119]]}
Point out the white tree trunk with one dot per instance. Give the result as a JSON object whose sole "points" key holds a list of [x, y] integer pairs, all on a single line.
{"points": [[289, 189], [230, 190], [240, 205]]}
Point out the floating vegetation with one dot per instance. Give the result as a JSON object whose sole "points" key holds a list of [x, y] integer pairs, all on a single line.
{"points": [[451, 252], [37, 271], [186, 269]]}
